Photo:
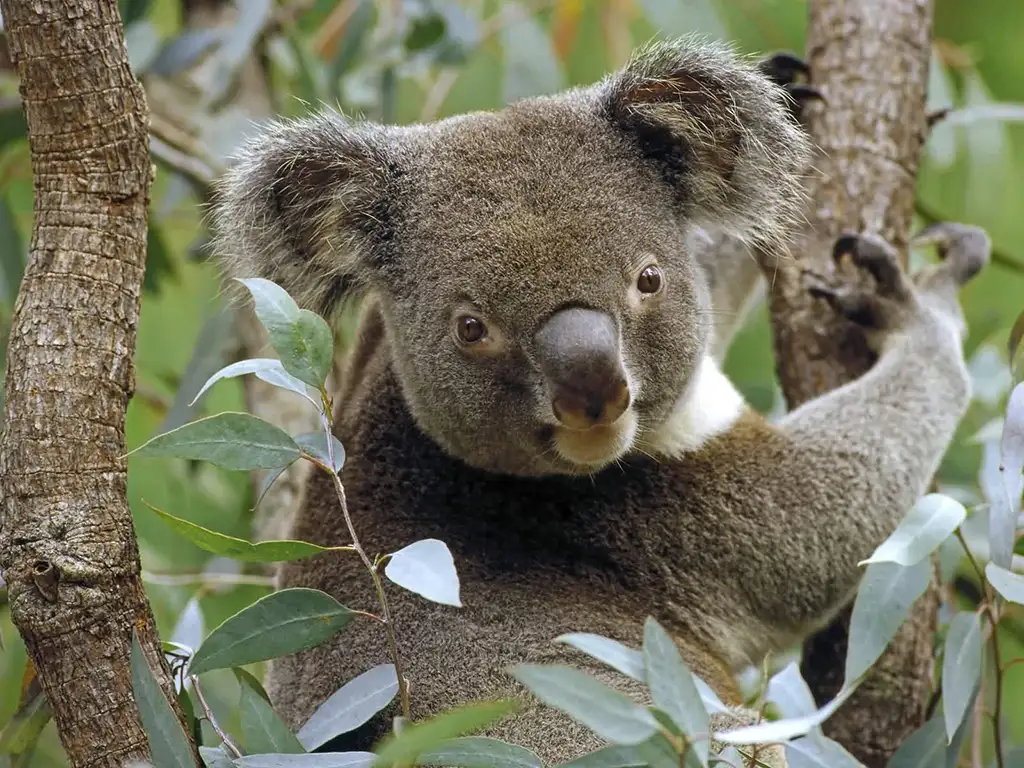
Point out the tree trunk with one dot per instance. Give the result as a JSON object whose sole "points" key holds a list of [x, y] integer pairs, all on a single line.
{"points": [[870, 60], [68, 548]]}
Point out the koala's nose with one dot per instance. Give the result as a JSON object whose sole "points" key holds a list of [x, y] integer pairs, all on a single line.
{"points": [[578, 351]]}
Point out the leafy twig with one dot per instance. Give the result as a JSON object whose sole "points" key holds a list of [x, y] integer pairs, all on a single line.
{"points": [[208, 713]]}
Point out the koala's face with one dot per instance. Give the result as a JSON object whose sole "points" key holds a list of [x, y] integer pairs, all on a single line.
{"points": [[543, 311]]}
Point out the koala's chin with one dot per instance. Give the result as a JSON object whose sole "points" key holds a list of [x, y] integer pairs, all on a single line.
{"points": [[592, 449]]}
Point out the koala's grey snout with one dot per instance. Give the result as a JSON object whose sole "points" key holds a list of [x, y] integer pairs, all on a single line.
{"points": [[578, 352]]}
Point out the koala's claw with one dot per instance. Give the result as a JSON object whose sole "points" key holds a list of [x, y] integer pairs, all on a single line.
{"points": [[783, 68], [964, 250], [876, 257]]}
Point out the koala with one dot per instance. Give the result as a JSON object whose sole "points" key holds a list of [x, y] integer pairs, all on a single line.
{"points": [[535, 382]]}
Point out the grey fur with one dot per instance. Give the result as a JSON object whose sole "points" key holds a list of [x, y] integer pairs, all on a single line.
{"points": [[740, 544]]}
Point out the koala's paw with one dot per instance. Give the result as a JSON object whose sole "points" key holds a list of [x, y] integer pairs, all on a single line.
{"points": [[897, 299], [964, 250], [880, 309], [784, 69]]}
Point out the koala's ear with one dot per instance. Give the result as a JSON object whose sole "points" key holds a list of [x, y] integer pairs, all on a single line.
{"points": [[718, 131], [305, 205]]}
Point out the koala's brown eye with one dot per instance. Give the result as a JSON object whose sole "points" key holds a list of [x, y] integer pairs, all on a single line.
{"points": [[650, 280], [470, 330]]}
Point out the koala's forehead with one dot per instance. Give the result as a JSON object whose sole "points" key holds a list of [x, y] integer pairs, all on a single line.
{"points": [[544, 187]]}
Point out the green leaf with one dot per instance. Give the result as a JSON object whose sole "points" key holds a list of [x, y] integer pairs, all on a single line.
{"points": [[1005, 511], [168, 744], [672, 688], [21, 733], [789, 728], [884, 598], [926, 747], [322, 760], [610, 714], [262, 730], [189, 630], [274, 551], [215, 757], [961, 668], [230, 440], [930, 522], [817, 751], [426, 567], [350, 706], [788, 691], [267, 369], [315, 444], [479, 752], [12, 253], [620, 657], [1007, 583], [281, 623], [419, 737], [302, 339], [655, 752]]}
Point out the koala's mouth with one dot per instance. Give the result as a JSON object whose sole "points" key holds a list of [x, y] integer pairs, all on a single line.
{"points": [[592, 449]]}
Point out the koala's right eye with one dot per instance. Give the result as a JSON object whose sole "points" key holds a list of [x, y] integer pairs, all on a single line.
{"points": [[469, 329]]}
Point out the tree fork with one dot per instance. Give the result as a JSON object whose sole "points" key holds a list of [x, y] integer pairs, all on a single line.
{"points": [[68, 548], [870, 59]]}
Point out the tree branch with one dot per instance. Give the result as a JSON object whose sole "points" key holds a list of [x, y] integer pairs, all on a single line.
{"points": [[870, 59], [68, 548]]}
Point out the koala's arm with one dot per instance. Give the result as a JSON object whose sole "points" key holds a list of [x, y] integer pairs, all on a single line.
{"points": [[836, 475]]}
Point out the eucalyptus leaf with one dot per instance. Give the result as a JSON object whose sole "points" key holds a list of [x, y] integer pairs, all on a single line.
{"points": [[930, 522], [426, 567], [215, 757], [671, 685], [787, 729], [817, 751], [272, 551], [626, 660], [189, 630], [1004, 515], [350, 706], [302, 339], [315, 444], [1007, 583], [262, 730], [425, 735], [281, 623], [884, 599], [230, 440], [961, 668], [12, 253], [479, 752], [168, 744], [927, 748], [320, 760], [266, 368], [789, 691], [610, 714]]}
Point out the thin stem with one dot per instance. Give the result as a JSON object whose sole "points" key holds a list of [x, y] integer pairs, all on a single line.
{"points": [[970, 556], [385, 614], [997, 725], [224, 737]]}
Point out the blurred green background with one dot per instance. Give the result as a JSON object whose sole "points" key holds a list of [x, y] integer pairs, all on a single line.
{"points": [[211, 72]]}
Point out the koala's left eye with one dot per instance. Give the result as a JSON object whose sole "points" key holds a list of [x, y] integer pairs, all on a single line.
{"points": [[470, 330], [650, 281]]}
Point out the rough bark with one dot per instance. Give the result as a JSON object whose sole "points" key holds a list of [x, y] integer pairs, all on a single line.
{"points": [[68, 548], [870, 60]]}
